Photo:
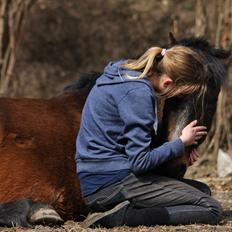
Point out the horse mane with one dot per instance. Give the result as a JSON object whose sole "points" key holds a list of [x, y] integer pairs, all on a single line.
{"points": [[200, 43], [85, 80]]}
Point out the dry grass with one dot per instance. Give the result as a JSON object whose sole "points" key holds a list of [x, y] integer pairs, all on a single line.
{"points": [[222, 191]]}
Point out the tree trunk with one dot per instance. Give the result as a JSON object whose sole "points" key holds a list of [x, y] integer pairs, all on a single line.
{"points": [[12, 14]]}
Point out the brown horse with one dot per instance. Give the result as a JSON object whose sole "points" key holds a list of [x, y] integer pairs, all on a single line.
{"points": [[37, 143]]}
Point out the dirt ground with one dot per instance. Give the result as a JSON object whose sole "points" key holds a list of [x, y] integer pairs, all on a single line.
{"points": [[221, 190]]}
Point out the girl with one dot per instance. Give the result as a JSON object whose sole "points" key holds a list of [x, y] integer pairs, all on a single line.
{"points": [[115, 163]]}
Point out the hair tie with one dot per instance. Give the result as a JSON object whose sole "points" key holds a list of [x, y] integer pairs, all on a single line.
{"points": [[163, 51]]}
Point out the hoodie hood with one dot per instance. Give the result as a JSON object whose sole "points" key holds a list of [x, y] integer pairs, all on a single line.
{"points": [[115, 74]]}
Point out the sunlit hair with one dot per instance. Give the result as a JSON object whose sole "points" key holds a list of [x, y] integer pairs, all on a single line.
{"points": [[183, 65]]}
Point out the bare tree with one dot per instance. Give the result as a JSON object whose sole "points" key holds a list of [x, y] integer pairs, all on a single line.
{"points": [[201, 18], [12, 15]]}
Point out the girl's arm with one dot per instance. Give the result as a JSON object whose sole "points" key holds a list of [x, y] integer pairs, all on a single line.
{"points": [[136, 109]]}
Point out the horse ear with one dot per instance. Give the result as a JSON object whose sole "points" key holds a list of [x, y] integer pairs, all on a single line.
{"points": [[173, 40]]}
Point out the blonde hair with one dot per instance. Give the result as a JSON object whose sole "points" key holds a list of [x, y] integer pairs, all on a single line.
{"points": [[183, 65]]}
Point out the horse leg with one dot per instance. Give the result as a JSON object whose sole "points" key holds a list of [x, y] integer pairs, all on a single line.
{"points": [[26, 213]]}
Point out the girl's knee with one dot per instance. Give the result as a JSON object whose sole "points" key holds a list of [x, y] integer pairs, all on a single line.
{"points": [[198, 185], [216, 211]]}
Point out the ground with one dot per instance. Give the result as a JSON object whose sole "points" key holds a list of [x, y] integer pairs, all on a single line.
{"points": [[221, 190]]}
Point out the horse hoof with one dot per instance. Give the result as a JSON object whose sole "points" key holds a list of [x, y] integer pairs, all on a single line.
{"points": [[46, 216]]}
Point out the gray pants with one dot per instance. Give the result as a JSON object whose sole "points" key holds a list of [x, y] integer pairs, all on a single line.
{"points": [[186, 201]]}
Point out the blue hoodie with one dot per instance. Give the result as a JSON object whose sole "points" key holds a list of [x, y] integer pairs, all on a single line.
{"points": [[115, 133]]}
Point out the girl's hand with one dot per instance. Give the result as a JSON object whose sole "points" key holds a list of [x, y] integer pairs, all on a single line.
{"points": [[191, 133], [194, 155]]}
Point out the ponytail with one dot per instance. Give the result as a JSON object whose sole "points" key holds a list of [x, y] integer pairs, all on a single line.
{"points": [[146, 62]]}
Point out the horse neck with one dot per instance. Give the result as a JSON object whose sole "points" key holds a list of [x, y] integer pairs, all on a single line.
{"points": [[177, 113], [71, 104]]}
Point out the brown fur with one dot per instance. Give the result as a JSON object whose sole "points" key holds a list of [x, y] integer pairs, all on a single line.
{"points": [[37, 147]]}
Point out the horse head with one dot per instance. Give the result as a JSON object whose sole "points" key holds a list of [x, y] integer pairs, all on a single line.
{"points": [[178, 112]]}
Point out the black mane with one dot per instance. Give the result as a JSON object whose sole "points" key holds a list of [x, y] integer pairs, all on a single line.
{"points": [[202, 44], [86, 80]]}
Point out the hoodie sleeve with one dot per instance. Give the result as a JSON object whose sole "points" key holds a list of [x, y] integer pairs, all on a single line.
{"points": [[136, 109]]}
